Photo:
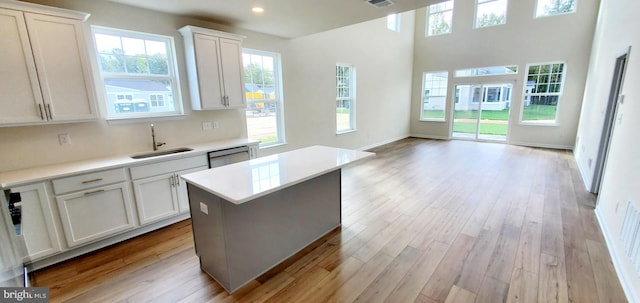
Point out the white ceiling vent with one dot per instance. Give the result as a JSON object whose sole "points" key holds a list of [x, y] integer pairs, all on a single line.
{"points": [[380, 3]]}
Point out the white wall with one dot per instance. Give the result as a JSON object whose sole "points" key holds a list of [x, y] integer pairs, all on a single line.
{"points": [[383, 63], [616, 31], [308, 68], [521, 40]]}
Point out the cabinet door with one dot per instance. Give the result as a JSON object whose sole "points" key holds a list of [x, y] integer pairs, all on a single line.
{"points": [[156, 198], [20, 100], [231, 57], [95, 213], [61, 56], [183, 196], [209, 71], [40, 232]]}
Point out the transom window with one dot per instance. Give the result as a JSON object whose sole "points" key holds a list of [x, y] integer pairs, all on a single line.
{"points": [[434, 96], [555, 7], [439, 18], [491, 12], [345, 98], [543, 88], [487, 71], [393, 22], [138, 71], [265, 115]]}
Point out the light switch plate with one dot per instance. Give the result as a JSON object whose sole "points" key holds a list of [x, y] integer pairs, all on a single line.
{"points": [[204, 208]]}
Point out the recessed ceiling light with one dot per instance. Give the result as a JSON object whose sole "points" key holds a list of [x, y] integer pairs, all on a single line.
{"points": [[257, 10]]}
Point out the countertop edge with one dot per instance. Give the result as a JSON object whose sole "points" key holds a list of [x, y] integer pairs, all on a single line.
{"points": [[44, 173], [248, 198]]}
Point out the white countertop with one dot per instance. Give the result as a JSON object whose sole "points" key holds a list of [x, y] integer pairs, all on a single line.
{"points": [[31, 175], [245, 181]]}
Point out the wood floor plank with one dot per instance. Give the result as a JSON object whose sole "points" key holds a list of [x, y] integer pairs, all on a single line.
{"points": [[413, 282], [423, 221], [609, 290], [384, 283], [552, 286], [448, 271], [523, 287], [460, 295]]}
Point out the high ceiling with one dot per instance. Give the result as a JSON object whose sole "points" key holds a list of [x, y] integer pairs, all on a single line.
{"points": [[284, 18]]}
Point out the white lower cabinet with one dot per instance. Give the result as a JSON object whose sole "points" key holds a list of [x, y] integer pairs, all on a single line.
{"points": [[38, 227], [162, 196], [95, 213]]}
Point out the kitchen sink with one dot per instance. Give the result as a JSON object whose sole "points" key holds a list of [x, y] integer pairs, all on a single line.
{"points": [[162, 153]]}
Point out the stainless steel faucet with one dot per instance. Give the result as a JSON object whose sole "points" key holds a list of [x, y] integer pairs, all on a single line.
{"points": [[153, 138]]}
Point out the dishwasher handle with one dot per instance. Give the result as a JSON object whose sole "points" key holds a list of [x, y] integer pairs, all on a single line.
{"points": [[228, 151]]}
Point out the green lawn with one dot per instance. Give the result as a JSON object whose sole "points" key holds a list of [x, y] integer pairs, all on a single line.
{"points": [[485, 128], [531, 112]]}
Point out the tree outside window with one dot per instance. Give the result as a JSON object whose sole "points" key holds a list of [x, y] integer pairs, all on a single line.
{"points": [[440, 18], [491, 12], [555, 7]]}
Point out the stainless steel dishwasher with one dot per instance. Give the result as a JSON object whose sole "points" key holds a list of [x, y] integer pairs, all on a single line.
{"points": [[228, 156]]}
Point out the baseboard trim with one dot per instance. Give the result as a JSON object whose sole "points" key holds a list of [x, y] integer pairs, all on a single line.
{"points": [[542, 145], [617, 264], [382, 143], [422, 136]]}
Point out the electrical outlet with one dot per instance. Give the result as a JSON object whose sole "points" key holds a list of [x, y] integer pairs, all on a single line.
{"points": [[207, 125], [204, 208], [64, 139]]}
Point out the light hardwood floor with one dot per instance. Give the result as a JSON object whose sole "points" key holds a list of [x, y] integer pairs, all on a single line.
{"points": [[423, 221]]}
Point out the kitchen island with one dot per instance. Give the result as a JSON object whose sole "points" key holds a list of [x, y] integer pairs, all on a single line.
{"points": [[250, 216]]}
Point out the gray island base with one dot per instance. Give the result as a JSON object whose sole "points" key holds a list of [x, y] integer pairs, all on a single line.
{"points": [[236, 243]]}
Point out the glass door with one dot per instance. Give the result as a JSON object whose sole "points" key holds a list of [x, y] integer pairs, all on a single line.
{"points": [[481, 111]]}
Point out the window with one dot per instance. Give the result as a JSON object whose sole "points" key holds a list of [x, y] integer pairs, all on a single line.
{"points": [[542, 92], [555, 7], [439, 18], [345, 98], [491, 12], [139, 73], [393, 22], [265, 115], [434, 97], [487, 71], [156, 100]]}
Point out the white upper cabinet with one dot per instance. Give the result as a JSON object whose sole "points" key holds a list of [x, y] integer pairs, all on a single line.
{"points": [[214, 64], [45, 75]]}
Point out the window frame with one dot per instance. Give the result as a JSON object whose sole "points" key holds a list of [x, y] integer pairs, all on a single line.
{"points": [[559, 94], [475, 15], [536, 16], [172, 76], [351, 98], [445, 97], [429, 14], [279, 97]]}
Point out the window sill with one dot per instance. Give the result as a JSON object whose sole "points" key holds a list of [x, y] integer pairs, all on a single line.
{"points": [[532, 123], [346, 131], [118, 121], [272, 145], [432, 120]]}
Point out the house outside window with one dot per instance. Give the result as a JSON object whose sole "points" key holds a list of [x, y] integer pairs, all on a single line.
{"points": [[345, 98], [546, 8], [491, 13], [440, 18], [263, 90], [138, 71], [434, 97], [542, 92], [156, 100]]}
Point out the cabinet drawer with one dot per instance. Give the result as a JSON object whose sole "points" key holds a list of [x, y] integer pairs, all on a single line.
{"points": [[90, 180], [95, 214], [166, 167]]}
